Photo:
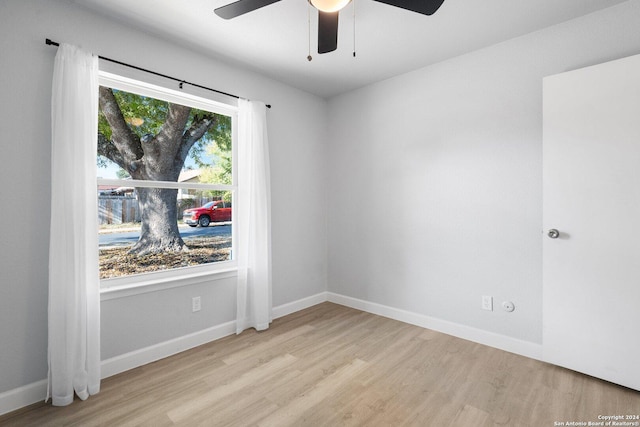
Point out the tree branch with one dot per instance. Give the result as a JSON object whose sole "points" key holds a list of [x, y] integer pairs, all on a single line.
{"points": [[108, 150], [160, 149], [173, 126], [124, 140], [199, 127]]}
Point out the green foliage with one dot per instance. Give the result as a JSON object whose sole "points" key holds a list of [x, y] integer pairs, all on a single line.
{"points": [[217, 140], [122, 174], [216, 195], [103, 126], [220, 172], [143, 114], [184, 204]]}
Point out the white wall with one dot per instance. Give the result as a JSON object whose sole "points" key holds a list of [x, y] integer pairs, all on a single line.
{"points": [[435, 190], [298, 186]]}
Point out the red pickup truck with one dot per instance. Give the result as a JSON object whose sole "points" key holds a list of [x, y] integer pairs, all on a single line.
{"points": [[216, 211]]}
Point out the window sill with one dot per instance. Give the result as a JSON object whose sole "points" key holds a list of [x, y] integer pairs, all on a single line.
{"points": [[153, 283]]}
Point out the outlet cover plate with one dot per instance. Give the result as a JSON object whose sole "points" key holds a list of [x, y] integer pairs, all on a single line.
{"points": [[487, 302], [195, 304]]}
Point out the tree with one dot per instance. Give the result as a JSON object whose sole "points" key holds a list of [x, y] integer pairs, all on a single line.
{"points": [[151, 140], [122, 174], [219, 173]]}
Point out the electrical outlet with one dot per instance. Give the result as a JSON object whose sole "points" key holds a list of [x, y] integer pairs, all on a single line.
{"points": [[195, 304], [508, 306], [487, 302]]}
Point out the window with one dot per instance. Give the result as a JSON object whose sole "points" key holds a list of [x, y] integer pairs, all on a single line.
{"points": [[166, 185]]}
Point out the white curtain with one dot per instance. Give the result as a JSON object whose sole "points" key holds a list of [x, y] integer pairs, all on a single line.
{"points": [[74, 297], [254, 218]]}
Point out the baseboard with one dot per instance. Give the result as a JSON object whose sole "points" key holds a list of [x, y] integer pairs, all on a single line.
{"points": [[492, 339], [22, 396], [127, 361], [301, 304]]}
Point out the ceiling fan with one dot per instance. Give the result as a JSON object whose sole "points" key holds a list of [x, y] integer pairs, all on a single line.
{"points": [[327, 14]]}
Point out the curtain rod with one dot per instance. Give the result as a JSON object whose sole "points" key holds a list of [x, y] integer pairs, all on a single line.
{"points": [[182, 82]]}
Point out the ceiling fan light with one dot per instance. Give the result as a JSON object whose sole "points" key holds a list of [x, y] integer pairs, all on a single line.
{"points": [[329, 6]]}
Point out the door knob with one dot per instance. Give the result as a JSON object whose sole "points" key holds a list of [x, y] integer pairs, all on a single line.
{"points": [[553, 233]]}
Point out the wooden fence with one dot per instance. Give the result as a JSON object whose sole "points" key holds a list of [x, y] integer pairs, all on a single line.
{"points": [[117, 209]]}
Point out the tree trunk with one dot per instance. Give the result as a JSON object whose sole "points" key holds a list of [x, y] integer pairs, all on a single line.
{"points": [[159, 232]]}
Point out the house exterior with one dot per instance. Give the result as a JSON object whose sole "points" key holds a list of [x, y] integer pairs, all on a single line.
{"points": [[188, 176]]}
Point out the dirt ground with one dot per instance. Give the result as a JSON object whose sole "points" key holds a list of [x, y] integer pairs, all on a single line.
{"points": [[116, 262]]}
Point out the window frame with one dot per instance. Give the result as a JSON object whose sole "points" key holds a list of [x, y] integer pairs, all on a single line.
{"points": [[153, 281]]}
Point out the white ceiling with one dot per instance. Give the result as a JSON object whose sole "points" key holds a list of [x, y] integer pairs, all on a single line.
{"points": [[389, 41]]}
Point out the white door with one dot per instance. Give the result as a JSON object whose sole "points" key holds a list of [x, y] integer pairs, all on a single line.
{"points": [[591, 173]]}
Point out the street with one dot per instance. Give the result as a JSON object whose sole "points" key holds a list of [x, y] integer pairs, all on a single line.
{"points": [[127, 238]]}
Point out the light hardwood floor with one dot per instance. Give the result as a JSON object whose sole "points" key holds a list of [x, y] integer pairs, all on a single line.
{"points": [[334, 366]]}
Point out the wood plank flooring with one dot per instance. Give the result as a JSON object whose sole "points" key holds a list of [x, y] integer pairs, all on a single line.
{"points": [[334, 366]]}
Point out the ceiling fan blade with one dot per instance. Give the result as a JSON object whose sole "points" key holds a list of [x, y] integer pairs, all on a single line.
{"points": [[327, 31], [241, 7], [425, 7]]}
